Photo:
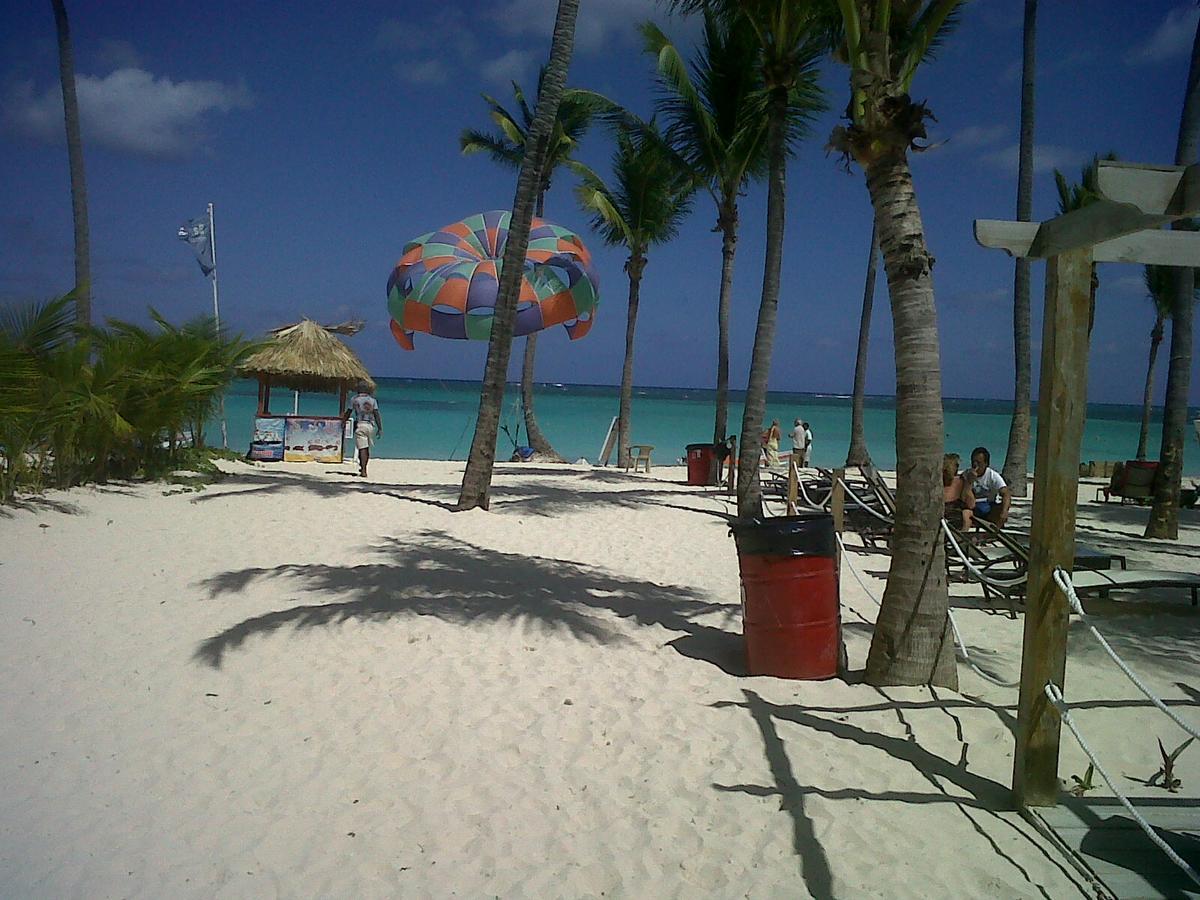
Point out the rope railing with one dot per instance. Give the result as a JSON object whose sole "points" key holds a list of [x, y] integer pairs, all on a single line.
{"points": [[1063, 580], [962, 646], [853, 496], [1054, 695]]}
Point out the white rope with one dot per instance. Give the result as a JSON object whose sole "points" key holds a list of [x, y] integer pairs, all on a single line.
{"points": [[853, 496], [979, 573], [953, 625], [850, 566], [1056, 699], [1063, 580], [809, 500]]}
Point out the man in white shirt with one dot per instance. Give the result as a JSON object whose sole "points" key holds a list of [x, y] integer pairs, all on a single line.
{"points": [[801, 443], [992, 495]]}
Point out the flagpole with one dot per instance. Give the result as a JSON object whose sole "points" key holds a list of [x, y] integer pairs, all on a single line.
{"points": [[212, 243]]}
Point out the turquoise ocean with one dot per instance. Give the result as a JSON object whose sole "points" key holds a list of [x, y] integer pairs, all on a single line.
{"points": [[431, 419]]}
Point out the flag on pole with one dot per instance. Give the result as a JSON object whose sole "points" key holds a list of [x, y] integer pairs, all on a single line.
{"points": [[196, 233]]}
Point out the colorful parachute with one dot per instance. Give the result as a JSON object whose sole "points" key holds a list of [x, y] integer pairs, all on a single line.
{"points": [[447, 281]]}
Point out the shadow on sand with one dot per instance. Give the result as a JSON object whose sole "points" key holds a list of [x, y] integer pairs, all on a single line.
{"points": [[461, 583]]}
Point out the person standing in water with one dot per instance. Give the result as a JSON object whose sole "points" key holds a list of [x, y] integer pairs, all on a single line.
{"points": [[368, 424]]}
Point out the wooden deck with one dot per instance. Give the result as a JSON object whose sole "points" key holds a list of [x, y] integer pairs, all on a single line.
{"points": [[1100, 835]]}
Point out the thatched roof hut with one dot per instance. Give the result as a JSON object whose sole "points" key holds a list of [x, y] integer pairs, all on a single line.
{"points": [[308, 357]]}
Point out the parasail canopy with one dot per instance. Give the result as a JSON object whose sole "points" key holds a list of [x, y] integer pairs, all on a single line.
{"points": [[446, 282]]}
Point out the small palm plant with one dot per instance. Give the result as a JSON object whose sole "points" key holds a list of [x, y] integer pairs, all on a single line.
{"points": [[642, 206]]}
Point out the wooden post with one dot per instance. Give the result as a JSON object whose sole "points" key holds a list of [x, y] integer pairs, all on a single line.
{"points": [[266, 406], [341, 411], [1062, 399], [837, 501], [793, 490]]}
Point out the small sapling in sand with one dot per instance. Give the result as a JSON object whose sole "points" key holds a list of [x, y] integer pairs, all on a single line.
{"points": [[1084, 784], [1166, 775]]}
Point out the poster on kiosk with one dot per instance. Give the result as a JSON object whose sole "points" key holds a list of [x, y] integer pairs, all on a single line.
{"points": [[313, 440]]}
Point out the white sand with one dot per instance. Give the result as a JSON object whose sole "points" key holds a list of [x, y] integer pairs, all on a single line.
{"points": [[294, 683]]}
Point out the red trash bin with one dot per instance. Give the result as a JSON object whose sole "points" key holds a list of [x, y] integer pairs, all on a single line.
{"points": [[791, 609], [702, 464]]}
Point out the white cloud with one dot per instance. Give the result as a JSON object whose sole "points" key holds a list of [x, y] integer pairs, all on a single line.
{"points": [[427, 71], [1046, 157], [1173, 37], [129, 111], [509, 67], [118, 54], [974, 137]]}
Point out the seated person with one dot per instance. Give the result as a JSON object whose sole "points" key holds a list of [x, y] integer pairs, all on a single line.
{"points": [[992, 495], [960, 502]]}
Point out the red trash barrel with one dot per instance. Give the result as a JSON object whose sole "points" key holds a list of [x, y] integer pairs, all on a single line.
{"points": [[791, 609], [702, 464]]}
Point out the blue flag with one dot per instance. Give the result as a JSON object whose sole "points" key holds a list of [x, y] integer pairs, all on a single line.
{"points": [[196, 233]]}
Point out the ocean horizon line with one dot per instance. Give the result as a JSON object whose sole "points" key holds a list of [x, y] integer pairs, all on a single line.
{"points": [[739, 394]]}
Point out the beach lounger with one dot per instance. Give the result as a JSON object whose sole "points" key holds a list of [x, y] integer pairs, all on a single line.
{"points": [[1009, 578]]}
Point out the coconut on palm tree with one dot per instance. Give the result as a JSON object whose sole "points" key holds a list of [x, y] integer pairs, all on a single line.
{"points": [[575, 113], [477, 478], [716, 124], [884, 45], [641, 206], [82, 294], [1016, 460]]}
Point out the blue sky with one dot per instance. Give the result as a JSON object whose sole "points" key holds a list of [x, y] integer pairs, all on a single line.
{"points": [[327, 136]]}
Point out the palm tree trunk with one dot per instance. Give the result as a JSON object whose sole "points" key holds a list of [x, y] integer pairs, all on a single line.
{"points": [[1016, 460], [749, 491], [533, 433], [727, 221], [79, 210], [1156, 336], [1164, 514], [912, 642], [477, 479], [858, 455], [634, 267]]}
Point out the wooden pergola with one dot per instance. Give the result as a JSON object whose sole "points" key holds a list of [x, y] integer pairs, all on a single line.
{"points": [[1123, 226]]}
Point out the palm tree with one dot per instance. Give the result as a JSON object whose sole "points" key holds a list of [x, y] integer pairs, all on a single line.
{"points": [[1159, 288], [1016, 460], [477, 479], [1164, 514], [885, 42], [858, 455], [575, 113], [792, 38], [66, 73], [715, 125], [648, 198]]}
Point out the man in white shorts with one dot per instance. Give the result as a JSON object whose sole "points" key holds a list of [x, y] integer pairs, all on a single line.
{"points": [[368, 424]]}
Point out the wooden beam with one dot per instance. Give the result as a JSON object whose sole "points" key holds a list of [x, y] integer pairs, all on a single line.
{"points": [[1157, 190], [1158, 248], [1062, 401]]}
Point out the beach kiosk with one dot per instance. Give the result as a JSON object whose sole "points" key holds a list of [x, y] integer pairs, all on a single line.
{"points": [[306, 357]]}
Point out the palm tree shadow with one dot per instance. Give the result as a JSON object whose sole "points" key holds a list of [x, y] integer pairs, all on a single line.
{"points": [[983, 794], [462, 583]]}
